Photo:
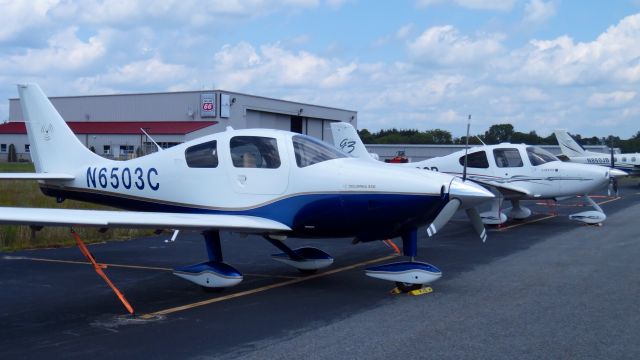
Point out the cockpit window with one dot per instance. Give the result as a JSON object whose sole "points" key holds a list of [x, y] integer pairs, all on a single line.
{"points": [[310, 151], [538, 156], [507, 158], [202, 155], [476, 160], [254, 152]]}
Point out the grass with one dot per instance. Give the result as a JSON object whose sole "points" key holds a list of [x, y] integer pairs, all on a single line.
{"points": [[27, 194]]}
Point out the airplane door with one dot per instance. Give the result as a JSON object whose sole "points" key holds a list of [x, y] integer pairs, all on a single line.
{"points": [[259, 165]]}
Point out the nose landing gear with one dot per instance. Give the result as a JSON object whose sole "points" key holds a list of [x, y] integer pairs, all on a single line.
{"points": [[410, 275]]}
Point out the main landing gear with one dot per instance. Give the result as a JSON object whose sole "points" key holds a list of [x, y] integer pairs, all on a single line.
{"points": [[592, 217], [307, 260], [408, 275]]}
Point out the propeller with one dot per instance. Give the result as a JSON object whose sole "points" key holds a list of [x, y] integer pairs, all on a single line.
{"points": [[444, 216], [463, 195], [472, 213], [476, 222]]}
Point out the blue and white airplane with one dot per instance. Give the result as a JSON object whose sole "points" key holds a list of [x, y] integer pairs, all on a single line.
{"points": [[513, 171], [269, 182]]}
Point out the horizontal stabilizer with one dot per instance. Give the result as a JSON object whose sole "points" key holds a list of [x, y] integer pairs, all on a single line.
{"points": [[35, 176], [133, 219]]}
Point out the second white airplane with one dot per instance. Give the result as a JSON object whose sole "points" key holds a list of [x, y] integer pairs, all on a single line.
{"points": [[515, 172]]}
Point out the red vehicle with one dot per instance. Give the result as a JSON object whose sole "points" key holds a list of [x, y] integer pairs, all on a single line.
{"points": [[400, 158]]}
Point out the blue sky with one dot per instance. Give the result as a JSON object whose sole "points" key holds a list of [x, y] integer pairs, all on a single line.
{"points": [[425, 64]]}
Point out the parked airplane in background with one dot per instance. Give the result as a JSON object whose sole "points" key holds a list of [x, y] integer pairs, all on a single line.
{"points": [[516, 172], [274, 183], [576, 153]]}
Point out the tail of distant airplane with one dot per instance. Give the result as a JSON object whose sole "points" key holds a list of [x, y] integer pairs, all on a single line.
{"points": [[54, 147], [569, 146], [346, 138]]}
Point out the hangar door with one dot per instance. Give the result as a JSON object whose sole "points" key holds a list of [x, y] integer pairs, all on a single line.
{"points": [[261, 119]]}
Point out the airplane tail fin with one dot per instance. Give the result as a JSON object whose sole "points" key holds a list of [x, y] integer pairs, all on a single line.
{"points": [[345, 137], [54, 147], [569, 147]]}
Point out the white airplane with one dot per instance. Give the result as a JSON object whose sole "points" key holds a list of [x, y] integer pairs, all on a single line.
{"points": [[628, 162], [274, 183], [514, 171]]}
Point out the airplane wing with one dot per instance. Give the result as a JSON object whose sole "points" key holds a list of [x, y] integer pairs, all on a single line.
{"points": [[503, 187], [35, 176], [137, 219]]}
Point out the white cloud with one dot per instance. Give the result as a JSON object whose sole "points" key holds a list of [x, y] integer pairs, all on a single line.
{"points": [[65, 52], [500, 5], [138, 73], [610, 100], [613, 57], [240, 65], [19, 16], [538, 11], [445, 45]]}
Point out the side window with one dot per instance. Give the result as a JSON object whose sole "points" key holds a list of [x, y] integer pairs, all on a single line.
{"points": [[203, 155], [310, 151], [254, 152], [476, 160], [507, 158]]}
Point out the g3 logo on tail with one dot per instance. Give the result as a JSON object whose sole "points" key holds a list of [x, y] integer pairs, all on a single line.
{"points": [[125, 177], [347, 145]]}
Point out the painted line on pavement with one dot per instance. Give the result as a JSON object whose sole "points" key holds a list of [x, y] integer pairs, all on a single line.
{"points": [[261, 289], [124, 266]]}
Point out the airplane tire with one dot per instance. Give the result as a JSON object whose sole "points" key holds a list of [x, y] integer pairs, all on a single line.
{"points": [[406, 287]]}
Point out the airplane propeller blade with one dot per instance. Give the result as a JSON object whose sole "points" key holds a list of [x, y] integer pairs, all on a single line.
{"points": [[476, 221], [445, 215]]}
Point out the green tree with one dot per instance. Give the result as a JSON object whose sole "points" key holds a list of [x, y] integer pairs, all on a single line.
{"points": [[498, 133]]}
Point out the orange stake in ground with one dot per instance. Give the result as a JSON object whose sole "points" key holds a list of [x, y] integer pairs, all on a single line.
{"points": [[98, 268]]}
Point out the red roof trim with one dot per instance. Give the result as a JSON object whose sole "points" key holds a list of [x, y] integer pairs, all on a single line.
{"points": [[121, 127]]}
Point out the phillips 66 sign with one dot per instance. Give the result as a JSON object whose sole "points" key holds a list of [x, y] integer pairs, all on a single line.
{"points": [[207, 105]]}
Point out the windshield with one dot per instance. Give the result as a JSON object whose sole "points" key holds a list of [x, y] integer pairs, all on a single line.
{"points": [[311, 151], [538, 156]]}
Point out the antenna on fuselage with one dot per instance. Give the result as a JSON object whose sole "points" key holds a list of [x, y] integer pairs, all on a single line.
{"points": [[150, 138], [466, 150]]}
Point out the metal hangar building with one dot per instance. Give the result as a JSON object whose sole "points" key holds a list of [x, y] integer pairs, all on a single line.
{"points": [[114, 126]]}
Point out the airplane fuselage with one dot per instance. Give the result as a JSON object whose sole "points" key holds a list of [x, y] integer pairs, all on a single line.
{"points": [[259, 173], [530, 172], [629, 163]]}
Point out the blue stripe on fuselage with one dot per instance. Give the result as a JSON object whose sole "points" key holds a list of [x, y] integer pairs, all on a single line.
{"points": [[368, 216]]}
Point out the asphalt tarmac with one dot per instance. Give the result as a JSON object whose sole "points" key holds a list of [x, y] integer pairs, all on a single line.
{"points": [[546, 287]]}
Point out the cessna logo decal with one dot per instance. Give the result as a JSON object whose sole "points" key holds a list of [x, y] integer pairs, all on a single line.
{"points": [[347, 145]]}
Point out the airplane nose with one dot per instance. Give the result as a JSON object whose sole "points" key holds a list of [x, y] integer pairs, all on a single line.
{"points": [[469, 193], [615, 173]]}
